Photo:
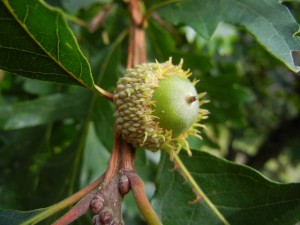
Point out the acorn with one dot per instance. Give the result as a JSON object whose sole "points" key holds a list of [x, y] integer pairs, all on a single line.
{"points": [[157, 107]]}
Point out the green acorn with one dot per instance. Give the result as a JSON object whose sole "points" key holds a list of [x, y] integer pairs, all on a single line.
{"points": [[157, 107]]}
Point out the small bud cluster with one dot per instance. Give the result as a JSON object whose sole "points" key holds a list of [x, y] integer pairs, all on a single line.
{"points": [[105, 218], [103, 215]]}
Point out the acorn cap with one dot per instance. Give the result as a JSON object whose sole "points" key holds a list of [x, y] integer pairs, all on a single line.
{"points": [[136, 114]]}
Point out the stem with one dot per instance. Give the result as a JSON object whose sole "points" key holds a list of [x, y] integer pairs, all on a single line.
{"points": [[137, 43], [98, 90], [128, 155], [114, 160], [63, 204], [77, 211], [99, 19], [198, 190], [138, 190]]}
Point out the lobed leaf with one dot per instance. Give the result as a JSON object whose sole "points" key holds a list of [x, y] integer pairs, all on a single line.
{"points": [[269, 21], [36, 42], [241, 194]]}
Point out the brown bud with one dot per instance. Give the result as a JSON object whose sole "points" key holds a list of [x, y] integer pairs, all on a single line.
{"points": [[97, 203], [96, 220], [124, 185], [106, 217]]}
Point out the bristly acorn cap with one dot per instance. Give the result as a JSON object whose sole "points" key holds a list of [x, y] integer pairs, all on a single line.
{"points": [[136, 116]]}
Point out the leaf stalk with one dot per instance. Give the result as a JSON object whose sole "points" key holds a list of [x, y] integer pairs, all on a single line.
{"points": [[63, 204]]}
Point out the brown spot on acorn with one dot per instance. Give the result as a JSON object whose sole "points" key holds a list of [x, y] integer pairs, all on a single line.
{"points": [[191, 99]]}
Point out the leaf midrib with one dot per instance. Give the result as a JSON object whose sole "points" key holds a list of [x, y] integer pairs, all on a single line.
{"points": [[24, 27]]}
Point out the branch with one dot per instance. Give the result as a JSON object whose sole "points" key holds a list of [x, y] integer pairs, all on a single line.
{"points": [[137, 43], [128, 155], [99, 19], [114, 158], [77, 211], [65, 203]]}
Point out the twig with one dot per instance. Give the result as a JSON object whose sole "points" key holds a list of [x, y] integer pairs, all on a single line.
{"points": [[128, 155], [114, 160], [141, 199], [99, 19], [77, 211], [65, 203], [137, 44]]}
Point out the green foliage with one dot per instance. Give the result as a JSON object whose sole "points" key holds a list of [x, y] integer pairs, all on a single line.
{"points": [[242, 195], [50, 108], [269, 21], [14, 217], [44, 48], [56, 138]]}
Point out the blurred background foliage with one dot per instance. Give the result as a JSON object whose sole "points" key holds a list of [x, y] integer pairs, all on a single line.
{"points": [[55, 138]]}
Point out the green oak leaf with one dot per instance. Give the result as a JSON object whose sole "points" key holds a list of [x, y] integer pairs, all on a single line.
{"points": [[241, 194], [269, 21], [36, 42], [43, 110]]}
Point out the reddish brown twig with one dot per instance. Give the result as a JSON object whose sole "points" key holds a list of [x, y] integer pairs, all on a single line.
{"points": [[71, 216], [141, 199], [99, 19], [77, 211], [128, 155], [137, 43], [114, 158]]}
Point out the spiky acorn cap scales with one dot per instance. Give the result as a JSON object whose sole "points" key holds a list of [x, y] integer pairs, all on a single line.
{"points": [[136, 109]]}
